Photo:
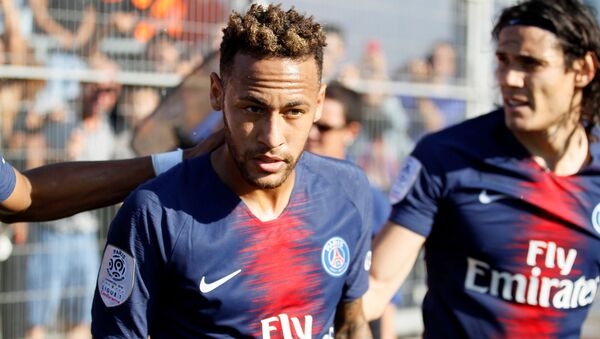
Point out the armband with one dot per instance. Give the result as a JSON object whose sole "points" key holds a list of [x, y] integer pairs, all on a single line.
{"points": [[162, 162]]}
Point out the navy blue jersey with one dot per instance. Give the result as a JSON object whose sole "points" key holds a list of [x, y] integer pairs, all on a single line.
{"points": [[512, 250], [8, 179], [185, 257]]}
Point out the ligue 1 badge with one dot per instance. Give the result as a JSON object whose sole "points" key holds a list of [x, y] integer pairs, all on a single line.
{"points": [[115, 281], [335, 256]]}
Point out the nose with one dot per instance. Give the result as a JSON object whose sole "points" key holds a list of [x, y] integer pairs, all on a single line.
{"points": [[510, 77], [271, 134]]}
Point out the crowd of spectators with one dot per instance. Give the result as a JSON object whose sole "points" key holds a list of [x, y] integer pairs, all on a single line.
{"points": [[70, 103]]}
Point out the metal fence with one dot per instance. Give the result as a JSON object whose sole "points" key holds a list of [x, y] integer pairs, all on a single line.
{"points": [[417, 69]]}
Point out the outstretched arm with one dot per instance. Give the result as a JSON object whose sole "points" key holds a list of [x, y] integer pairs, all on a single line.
{"points": [[350, 321], [395, 250], [60, 190]]}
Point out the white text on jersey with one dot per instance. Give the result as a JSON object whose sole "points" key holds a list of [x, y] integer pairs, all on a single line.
{"points": [[286, 326], [535, 288]]}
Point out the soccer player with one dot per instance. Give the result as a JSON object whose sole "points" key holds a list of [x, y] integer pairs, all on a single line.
{"points": [[507, 205], [61, 190], [256, 239]]}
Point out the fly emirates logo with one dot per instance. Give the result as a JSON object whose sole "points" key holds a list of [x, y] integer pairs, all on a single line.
{"points": [[535, 289], [290, 327]]}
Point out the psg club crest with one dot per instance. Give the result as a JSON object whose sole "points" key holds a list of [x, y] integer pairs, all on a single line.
{"points": [[335, 256]]}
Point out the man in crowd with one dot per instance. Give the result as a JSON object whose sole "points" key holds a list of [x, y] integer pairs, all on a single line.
{"points": [[336, 130], [507, 205], [255, 239]]}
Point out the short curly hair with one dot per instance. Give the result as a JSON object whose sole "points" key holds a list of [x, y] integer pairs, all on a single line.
{"points": [[271, 32]]}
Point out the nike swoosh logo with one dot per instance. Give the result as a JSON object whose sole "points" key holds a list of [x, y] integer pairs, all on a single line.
{"points": [[207, 287], [486, 198]]}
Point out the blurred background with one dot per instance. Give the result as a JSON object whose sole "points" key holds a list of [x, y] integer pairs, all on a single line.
{"points": [[109, 79]]}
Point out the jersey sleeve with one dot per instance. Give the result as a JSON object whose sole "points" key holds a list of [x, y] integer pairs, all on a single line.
{"points": [[133, 263], [417, 190], [8, 179], [357, 280]]}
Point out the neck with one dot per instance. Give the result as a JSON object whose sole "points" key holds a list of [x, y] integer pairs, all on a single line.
{"points": [[562, 149], [265, 204]]}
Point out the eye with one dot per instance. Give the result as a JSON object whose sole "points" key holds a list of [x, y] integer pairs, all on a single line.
{"points": [[253, 109], [531, 64], [294, 113]]}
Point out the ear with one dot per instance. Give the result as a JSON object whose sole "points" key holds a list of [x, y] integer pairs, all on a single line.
{"points": [[320, 101], [585, 69], [216, 92], [353, 129]]}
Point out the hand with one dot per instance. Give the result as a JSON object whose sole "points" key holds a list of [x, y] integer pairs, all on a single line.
{"points": [[213, 141]]}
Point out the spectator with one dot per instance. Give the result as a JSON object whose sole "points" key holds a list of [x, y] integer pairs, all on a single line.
{"points": [[385, 141], [338, 127], [334, 52], [73, 34], [13, 51], [137, 104], [431, 113], [70, 255]]}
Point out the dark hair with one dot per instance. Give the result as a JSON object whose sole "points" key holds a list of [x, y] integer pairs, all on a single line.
{"points": [[271, 32], [349, 99], [575, 25]]}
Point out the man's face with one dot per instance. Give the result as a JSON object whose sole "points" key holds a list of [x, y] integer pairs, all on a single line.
{"points": [[269, 106], [329, 136], [538, 91]]}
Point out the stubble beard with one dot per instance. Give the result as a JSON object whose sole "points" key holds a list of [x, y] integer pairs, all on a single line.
{"points": [[243, 162]]}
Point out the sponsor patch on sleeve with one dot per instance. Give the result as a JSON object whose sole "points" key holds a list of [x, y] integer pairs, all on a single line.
{"points": [[115, 280], [406, 179]]}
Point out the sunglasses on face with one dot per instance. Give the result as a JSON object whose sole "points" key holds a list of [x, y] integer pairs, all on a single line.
{"points": [[323, 128]]}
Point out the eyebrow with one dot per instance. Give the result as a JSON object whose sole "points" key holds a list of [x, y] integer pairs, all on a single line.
{"points": [[528, 58], [260, 102]]}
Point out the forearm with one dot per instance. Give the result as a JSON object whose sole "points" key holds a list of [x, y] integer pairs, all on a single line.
{"points": [[43, 19], [65, 189], [87, 27], [395, 250]]}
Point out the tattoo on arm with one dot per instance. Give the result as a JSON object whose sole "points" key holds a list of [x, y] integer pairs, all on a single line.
{"points": [[350, 321]]}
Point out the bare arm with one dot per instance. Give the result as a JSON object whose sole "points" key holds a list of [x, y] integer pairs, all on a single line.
{"points": [[395, 250], [86, 27], [39, 8], [350, 321], [60, 190], [64, 189]]}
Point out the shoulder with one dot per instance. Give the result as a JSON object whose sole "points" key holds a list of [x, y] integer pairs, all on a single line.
{"points": [[177, 184], [475, 137], [342, 173], [337, 179]]}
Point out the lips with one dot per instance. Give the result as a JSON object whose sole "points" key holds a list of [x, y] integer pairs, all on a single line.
{"points": [[270, 164], [514, 102]]}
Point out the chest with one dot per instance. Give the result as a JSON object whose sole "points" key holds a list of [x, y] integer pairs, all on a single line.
{"points": [[520, 221], [284, 275]]}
